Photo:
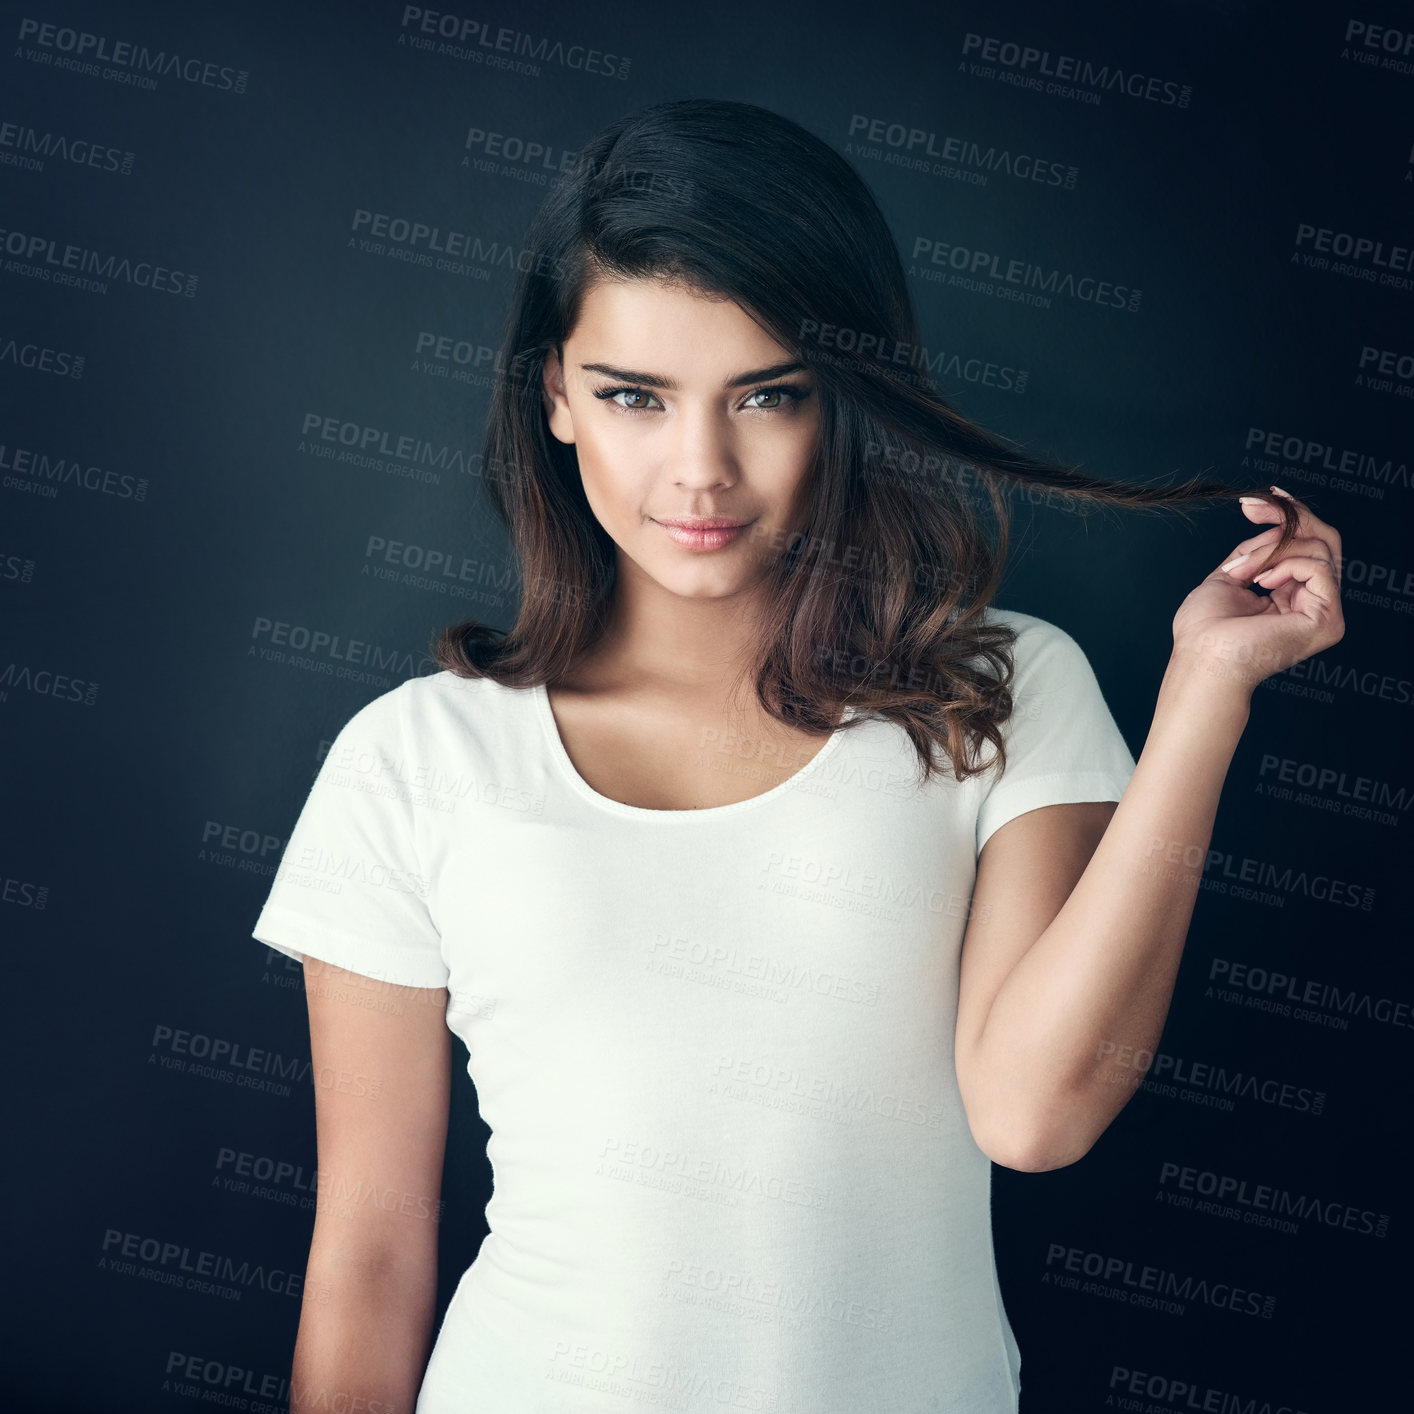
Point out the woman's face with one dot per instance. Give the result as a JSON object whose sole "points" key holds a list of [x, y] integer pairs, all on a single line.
{"points": [[682, 407]]}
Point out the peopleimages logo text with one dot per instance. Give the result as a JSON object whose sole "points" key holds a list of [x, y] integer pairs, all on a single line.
{"points": [[1108, 78], [99, 49]]}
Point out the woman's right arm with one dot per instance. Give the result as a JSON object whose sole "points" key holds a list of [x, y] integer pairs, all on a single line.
{"points": [[382, 1084]]}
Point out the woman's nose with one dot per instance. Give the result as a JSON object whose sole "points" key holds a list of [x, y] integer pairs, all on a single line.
{"points": [[703, 453]]}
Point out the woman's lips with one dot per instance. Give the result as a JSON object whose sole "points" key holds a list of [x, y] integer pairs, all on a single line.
{"points": [[707, 533]]}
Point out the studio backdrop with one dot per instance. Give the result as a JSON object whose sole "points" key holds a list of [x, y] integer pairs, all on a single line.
{"points": [[254, 259]]}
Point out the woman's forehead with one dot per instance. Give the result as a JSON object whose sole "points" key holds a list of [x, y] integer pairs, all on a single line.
{"points": [[665, 327]]}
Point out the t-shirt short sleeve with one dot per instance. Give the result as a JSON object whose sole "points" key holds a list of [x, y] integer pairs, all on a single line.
{"points": [[350, 889], [1063, 744]]}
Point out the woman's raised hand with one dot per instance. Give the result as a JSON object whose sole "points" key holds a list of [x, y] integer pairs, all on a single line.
{"points": [[1246, 637]]}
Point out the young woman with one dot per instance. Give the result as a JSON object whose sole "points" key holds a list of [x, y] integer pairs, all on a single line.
{"points": [[759, 963]]}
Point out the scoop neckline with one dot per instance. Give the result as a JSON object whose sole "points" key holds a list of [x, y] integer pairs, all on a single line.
{"points": [[541, 695]]}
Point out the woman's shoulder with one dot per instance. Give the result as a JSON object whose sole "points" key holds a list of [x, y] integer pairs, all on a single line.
{"points": [[1044, 653], [1033, 633], [448, 686], [1031, 624], [419, 705]]}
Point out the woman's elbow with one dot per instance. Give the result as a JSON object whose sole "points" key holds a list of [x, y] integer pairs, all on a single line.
{"points": [[1033, 1149]]}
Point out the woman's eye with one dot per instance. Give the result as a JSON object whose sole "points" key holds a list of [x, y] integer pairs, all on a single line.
{"points": [[615, 394], [785, 395]]}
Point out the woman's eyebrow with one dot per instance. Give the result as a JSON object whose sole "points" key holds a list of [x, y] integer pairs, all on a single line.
{"points": [[656, 380]]}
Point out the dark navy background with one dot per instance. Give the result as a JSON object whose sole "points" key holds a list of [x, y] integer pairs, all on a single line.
{"points": [[164, 508]]}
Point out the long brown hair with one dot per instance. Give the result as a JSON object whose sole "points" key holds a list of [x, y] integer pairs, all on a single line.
{"points": [[879, 602]]}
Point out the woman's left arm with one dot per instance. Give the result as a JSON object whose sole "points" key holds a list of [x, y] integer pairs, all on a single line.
{"points": [[1073, 945]]}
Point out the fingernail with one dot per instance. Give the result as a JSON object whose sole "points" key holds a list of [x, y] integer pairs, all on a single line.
{"points": [[1237, 561], [1280, 492], [1253, 500]]}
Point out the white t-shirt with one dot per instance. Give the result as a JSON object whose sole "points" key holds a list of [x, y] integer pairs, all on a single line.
{"points": [[714, 1048]]}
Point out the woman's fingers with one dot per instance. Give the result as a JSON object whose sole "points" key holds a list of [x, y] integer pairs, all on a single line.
{"points": [[1248, 561], [1313, 572], [1256, 507], [1242, 560], [1310, 525]]}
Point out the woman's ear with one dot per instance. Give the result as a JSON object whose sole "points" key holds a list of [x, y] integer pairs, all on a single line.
{"points": [[557, 406]]}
